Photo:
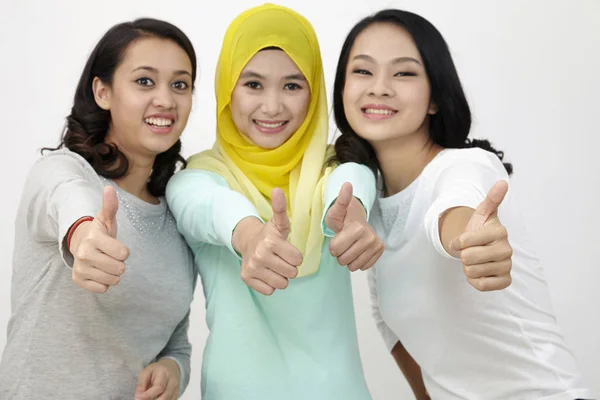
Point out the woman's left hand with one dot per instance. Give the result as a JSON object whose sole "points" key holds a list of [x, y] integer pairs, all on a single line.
{"points": [[484, 249], [159, 381], [355, 244]]}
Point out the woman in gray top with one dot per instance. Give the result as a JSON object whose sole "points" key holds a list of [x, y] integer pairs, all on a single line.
{"points": [[102, 281]]}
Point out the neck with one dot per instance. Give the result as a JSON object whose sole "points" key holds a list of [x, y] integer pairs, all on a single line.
{"points": [[402, 160], [135, 181]]}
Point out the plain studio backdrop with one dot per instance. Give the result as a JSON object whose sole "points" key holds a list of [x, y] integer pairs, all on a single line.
{"points": [[529, 69]]}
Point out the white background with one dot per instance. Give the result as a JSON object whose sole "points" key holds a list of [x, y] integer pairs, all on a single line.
{"points": [[530, 70]]}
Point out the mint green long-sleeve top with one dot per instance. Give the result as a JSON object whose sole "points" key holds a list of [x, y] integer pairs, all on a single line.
{"points": [[297, 344]]}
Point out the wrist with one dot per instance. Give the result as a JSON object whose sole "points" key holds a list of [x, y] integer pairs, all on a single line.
{"points": [[356, 210], [245, 229], [77, 232], [172, 367]]}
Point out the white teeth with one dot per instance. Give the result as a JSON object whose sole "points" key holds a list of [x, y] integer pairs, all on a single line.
{"points": [[162, 122], [271, 126], [379, 111]]}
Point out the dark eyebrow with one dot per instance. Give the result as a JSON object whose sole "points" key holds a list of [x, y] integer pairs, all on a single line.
{"points": [[154, 70], [252, 74], [396, 60], [298, 77]]}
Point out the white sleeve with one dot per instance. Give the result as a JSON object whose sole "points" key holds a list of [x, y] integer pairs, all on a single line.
{"points": [[461, 182], [389, 338]]}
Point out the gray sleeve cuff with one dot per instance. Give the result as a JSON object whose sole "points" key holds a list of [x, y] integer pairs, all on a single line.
{"points": [[183, 375]]}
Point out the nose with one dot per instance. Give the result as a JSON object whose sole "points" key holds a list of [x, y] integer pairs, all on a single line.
{"points": [[272, 104], [163, 98], [382, 86]]}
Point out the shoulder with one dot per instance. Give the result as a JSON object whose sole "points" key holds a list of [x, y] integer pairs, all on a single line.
{"points": [[63, 163], [466, 161]]}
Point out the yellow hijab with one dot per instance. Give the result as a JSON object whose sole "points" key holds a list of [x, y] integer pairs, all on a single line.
{"points": [[297, 165]]}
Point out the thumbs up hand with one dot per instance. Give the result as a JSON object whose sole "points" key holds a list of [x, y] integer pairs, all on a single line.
{"points": [[484, 248], [268, 259], [355, 244], [99, 256]]}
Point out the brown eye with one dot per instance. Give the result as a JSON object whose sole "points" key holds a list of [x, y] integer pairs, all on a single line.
{"points": [[361, 72], [405, 74], [144, 81], [180, 85], [292, 86], [253, 85]]}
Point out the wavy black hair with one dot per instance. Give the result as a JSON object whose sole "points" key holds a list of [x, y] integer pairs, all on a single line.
{"points": [[87, 125]]}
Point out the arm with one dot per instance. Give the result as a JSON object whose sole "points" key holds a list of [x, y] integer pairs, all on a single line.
{"points": [[363, 190], [463, 222], [411, 371], [178, 352], [59, 192], [206, 209], [408, 366], [355, 244]]}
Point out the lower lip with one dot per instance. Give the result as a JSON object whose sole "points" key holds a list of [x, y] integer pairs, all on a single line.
{"points": [[378, 116], [162, 130], [270, 131]]}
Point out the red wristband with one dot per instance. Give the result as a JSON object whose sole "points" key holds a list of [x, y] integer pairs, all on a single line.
{"points": [[74, 227]]}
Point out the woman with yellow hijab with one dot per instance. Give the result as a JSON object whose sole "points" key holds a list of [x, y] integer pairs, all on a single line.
{"points": [[278, 294]]}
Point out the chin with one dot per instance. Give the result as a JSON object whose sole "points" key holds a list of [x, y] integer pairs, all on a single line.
{"points": [[270, 142], [158, 148]]}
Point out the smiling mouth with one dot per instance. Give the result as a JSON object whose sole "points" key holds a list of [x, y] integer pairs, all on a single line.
{"points": [[270, 127], [378, 111], [159, 122]]}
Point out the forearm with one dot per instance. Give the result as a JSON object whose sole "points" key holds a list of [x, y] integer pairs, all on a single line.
{"points": [[411, 371], [77, 236], [245, 229], [363, 192], [452, 223], [172, 366], [206, 210]]}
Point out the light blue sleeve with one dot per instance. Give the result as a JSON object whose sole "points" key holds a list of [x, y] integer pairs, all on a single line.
{"points": [[363, 188], [205, 208]]}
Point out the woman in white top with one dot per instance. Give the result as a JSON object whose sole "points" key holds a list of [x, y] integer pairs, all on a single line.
{"points": [[399, 105]]}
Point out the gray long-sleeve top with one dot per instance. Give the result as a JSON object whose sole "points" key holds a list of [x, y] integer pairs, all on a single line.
{"points": [[65, 342]]}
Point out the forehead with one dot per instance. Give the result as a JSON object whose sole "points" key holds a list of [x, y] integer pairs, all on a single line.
{"points": [[385, 41], [161, 54], [272, 63]]}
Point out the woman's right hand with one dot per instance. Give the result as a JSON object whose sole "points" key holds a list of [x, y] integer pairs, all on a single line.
{"points": [[268, 259], [99, 256]]}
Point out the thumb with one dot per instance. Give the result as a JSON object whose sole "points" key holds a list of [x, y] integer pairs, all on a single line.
{"points": [[280, 218], [108, 213], [144, 381], [488, 208], [337, 212]]}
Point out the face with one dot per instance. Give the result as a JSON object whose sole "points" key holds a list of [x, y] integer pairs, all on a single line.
{"points": [[387, 92], [270, 100], [149, 99]]}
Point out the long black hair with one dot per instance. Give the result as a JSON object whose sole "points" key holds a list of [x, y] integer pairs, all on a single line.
{"points": [[449, 126], [87, 125]]}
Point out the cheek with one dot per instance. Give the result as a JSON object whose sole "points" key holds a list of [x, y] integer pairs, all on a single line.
{"points": [[417, 96], [128, 106], [351, 95], [241, 107], [299, 106], [185, 107]]}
